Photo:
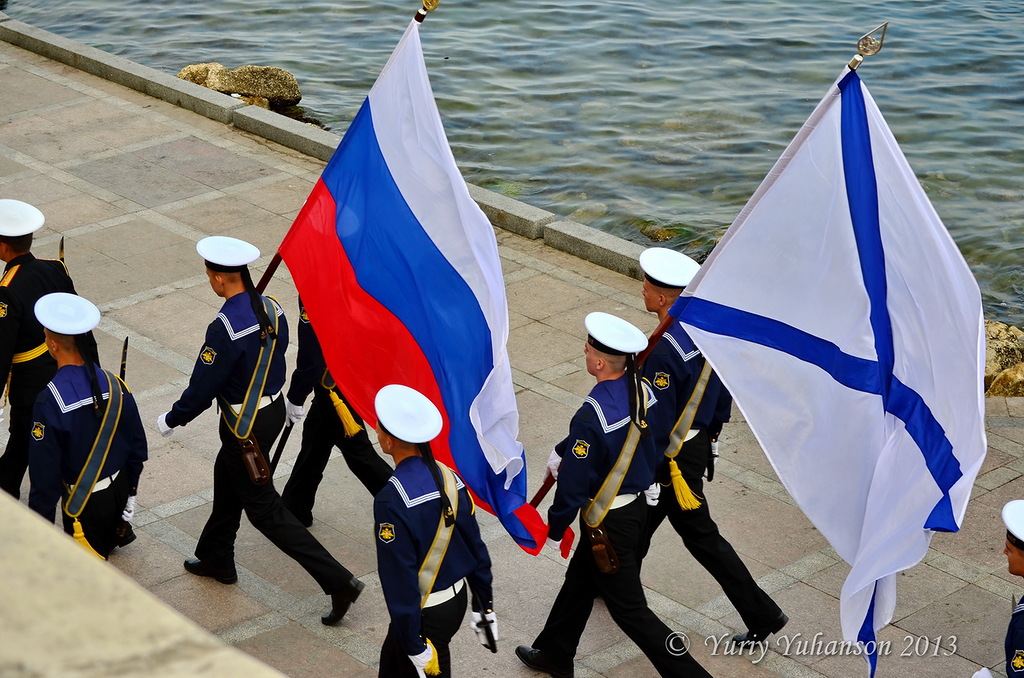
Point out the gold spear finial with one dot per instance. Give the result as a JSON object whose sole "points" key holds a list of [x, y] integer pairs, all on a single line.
{"points": [[428, 6], [868, 45]]}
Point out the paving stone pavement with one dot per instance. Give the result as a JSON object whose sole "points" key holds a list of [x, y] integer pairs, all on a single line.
{"points": [[133, 182]]}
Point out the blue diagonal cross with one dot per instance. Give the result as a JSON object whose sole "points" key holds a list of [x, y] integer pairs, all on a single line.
{"points": [[870, 376]]}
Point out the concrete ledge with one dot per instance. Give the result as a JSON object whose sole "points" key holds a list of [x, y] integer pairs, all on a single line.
{"points": [[63, 612], [298, 136], [4, 17], [117, 69], [598, 247], [510, 214]]}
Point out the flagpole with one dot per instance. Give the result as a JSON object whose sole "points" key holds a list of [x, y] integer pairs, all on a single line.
{"points": [[428, 6]]}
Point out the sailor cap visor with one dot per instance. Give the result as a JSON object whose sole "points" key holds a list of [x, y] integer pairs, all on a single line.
{"points": [[226, 254], [1013, 518], [668, 268], [65, 313], [407, 414], [613, 335], [19, 218]]}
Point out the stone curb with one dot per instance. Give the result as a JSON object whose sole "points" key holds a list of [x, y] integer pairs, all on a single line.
{"points": [[506, 213]]}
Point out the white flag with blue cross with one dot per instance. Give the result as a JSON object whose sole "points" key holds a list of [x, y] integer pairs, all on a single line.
{"points": [[842, 317]]}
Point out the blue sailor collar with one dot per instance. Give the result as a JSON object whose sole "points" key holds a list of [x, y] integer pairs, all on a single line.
{"points": [[238, 317], [677, 338], [610, 399], [414, 484], [71, 388]]}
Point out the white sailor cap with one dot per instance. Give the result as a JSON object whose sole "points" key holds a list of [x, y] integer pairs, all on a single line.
{"points": [[226, 254], [65, 313], [667, 268], [613, 335], [1013, 518], [19, 218], [407, 414]]}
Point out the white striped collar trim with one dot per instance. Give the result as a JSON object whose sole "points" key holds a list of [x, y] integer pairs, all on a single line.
{"points": [[1019, 608], [65, 408], [248, 330], [679, 349], [409, 503], [614, 426]]}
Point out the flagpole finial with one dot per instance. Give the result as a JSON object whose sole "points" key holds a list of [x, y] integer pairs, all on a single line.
{"points": [[428, 6], [868, 45]]}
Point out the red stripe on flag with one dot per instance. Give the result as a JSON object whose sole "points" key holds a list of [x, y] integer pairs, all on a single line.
{"points": [[366, 347]]}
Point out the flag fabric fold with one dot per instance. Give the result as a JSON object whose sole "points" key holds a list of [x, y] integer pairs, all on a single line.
{"points": [[846, 324], [399, 272]]}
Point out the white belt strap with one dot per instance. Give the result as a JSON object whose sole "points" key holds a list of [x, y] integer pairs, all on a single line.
{"points": [[264, 401], [444, 595], [103, 483]]}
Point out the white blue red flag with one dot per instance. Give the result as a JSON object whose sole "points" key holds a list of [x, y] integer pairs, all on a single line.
{"points": [[398, 270], [845, 322]]}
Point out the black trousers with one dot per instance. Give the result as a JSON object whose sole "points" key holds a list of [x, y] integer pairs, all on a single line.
{"points": [[703, 540], [439, 624], [27, 380], [233, 493], [622, 593], [101, 516], [321, 431]]}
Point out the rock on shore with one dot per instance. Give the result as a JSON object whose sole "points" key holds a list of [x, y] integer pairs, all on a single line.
{"points": [[1004, 360], [276, 85]]}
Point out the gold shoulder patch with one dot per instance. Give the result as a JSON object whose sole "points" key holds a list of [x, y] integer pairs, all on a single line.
{"points": [[1018, 661], [207, 355], [580, 449], [386, 533], [37, 431], [3, 309], [304, 317], [661, 380]]}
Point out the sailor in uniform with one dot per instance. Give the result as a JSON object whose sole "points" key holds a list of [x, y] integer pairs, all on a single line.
{"points": [[24, 360], [248, 331], [610, 424], [1013, 518], [66, 432], [674, 369], [429, 548], [324, 429]]}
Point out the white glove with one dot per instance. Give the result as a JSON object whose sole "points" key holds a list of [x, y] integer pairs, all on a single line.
{"points": [[293, 412], [1, 415], [984, 673], [652, 493], [129, 510], [554, 462], [161, 425], [714, 448], [556, 545], [478, 622], [420, 661]]}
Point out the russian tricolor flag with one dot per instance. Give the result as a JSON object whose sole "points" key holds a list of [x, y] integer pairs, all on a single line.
{"points": [[398, 269]]}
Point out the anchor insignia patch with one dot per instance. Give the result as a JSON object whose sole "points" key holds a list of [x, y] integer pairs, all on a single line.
{"points": [[208, 355], [386, 532], [37, 431], [661, 380]]}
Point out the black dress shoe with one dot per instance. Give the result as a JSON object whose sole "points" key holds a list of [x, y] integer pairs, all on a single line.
{"points": [[198, 567], [537, 661], [125, 535], [761, 634], [341, 601]]}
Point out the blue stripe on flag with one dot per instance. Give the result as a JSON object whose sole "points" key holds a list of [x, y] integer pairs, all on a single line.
{"points": [[397, 263], [857, 373], [867, 634], [862, 197]]}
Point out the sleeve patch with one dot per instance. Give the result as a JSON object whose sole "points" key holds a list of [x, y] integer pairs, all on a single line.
{"points": [[37, 431], [3, 309], [386, 532], [208, 355], [1018, 661], [580, 449], [661, 380]]}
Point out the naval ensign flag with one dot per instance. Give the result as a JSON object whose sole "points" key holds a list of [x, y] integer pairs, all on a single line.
{"points": [[843, 319]]}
